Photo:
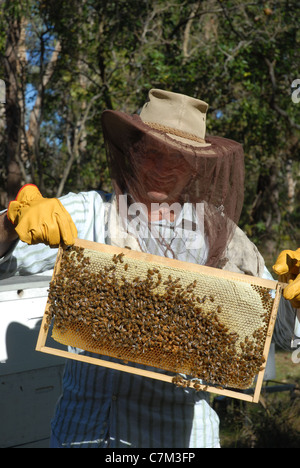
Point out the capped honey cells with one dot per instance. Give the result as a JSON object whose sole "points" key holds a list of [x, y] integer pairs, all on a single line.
{"points": [[195, 327]]}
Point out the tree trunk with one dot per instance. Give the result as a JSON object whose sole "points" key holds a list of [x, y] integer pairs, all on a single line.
{"points": [[266, 209], [13, 110]]}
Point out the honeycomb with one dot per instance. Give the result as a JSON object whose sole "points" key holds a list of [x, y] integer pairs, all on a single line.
{"points": [[139, 309]]}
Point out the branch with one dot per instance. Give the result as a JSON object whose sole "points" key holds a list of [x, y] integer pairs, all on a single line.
{"points": [[285, 115], [73, 150], [187, 29], [35, 114], [234, 52]]}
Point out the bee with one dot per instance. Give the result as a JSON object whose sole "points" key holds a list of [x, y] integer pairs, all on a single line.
{"points": [[118, 257], [197, 386]]}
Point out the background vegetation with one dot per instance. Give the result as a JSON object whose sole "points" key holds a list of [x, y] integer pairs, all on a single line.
{"points": [[272, 423], [64, 62]]}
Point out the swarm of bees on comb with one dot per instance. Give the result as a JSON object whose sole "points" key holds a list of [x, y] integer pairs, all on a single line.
{"points": [[150, 320]]}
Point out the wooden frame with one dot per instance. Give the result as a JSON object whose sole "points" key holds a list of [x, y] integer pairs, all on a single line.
{"points": [[238, 394]]}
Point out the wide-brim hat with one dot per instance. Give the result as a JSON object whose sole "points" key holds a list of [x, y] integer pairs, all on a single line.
{"points": [[175, 118]]}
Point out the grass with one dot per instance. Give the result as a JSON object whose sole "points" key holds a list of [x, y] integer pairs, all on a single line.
{"points": [[272, 423]]}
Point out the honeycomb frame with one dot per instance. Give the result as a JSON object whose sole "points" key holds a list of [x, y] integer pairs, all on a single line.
{"points": [[206, 296]]}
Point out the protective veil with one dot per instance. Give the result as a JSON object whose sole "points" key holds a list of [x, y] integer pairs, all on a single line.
{"points": [[208, 176]]}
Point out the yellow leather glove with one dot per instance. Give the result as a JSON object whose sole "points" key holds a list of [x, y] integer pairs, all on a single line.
{"points": [[287, 267], [41, 220]]}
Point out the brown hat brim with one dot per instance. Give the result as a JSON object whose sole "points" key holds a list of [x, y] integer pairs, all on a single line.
{"points": [[121, 127]]}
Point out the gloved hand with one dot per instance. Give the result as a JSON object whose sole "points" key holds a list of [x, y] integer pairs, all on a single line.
{"points": [[287, 266], [41, 220]]}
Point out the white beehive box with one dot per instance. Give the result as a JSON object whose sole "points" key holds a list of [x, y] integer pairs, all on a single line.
{"points": [[30, 383]]}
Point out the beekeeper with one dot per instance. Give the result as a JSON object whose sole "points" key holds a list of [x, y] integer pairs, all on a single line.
{"points": [[159, 160]]}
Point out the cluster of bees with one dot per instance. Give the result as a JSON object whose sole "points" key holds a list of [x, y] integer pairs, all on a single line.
{"points": [[151, 320]]}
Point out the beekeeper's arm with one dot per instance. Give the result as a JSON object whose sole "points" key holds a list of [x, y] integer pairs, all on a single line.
{"points": [[287, 267], [7, 234]]}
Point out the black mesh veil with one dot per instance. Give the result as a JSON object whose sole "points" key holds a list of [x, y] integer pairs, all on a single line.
{"points": [[143, 160]]}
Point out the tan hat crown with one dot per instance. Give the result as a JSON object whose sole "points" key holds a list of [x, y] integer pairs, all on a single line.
{"points": [[182, 117]]}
